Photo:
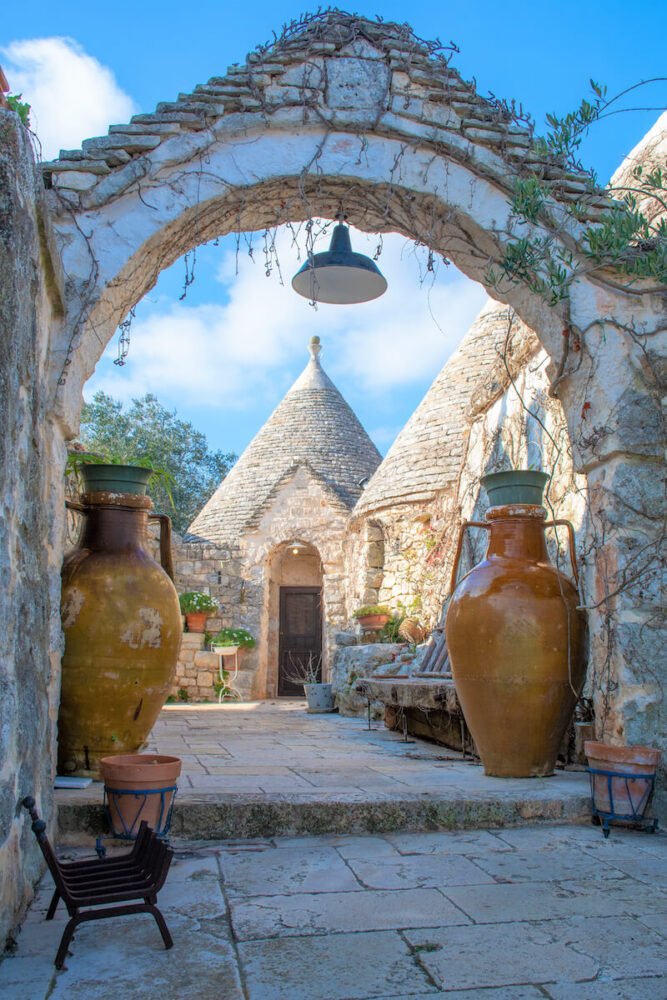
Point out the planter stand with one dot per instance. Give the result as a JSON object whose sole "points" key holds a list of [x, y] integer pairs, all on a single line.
{"points": [[139, 787], [227, 689], [620, 788], [129, 813]]}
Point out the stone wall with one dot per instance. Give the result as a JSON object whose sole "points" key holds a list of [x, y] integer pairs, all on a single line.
{"points": [[31, 523]]}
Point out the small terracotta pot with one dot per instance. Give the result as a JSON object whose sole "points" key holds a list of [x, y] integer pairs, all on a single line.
{"points": [[196, 621], [373, 623], [126, 777], [630, 797]]}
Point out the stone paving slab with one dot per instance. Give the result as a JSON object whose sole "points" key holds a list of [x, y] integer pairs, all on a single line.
{"points": [[295, 919], [265, 769]]}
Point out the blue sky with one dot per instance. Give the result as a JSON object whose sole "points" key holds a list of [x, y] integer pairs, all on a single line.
{"points": [[250, 331]]}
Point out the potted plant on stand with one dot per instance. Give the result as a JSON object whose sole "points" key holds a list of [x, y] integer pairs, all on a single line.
{"points": [[229, 640], [197, 608], [114, 681]]}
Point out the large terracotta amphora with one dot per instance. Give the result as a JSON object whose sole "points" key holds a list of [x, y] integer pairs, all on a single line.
{"points": [[122, 626], [517, 644]]}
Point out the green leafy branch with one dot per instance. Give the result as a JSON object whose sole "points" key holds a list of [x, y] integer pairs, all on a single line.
{"points": [[623, 238], [22, 108]]}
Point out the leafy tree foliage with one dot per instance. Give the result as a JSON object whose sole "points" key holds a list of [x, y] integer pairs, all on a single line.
{"points": [[147, 430]]}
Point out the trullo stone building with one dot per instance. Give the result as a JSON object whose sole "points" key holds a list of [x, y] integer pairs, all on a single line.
{"points": [[269, 543]]}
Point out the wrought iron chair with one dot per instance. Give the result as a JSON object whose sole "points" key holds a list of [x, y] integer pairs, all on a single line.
{"points": [[138, 874]]}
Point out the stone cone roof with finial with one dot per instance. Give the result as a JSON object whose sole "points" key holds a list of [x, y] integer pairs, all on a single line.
{"points": [[426, 456], [313, 427]]}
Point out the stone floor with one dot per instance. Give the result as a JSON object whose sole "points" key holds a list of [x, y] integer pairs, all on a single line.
{"points": [[500, 914], [261, 769]]}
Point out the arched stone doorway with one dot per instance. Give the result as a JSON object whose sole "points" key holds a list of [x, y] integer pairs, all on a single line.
{"points": [[296, 637], [347, 111]]}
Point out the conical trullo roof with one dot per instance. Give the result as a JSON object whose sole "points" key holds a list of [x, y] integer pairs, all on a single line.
{"points": [[426, 456], [312, 427]]}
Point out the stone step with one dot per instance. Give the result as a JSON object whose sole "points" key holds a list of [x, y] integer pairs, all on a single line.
{"points": [[241, 815]]}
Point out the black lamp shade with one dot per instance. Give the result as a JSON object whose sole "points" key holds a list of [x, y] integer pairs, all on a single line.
{"points": [[339, 275]]}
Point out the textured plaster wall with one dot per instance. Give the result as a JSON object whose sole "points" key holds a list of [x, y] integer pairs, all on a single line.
{"points": [[31, 522]]}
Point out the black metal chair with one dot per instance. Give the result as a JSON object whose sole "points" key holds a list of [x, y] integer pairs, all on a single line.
{"points": [[138, 874]]}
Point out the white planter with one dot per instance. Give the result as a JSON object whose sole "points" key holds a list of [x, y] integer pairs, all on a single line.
{"points": [[225, 650], [319, 697]]}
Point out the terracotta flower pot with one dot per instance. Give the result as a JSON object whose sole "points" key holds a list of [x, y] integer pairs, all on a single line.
{"points": [[373, 623], [621, 797], [196, 621], [139, 787]]}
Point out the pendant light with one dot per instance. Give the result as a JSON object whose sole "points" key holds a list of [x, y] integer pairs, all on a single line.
{"points": [[297, 548], [339, 275]]}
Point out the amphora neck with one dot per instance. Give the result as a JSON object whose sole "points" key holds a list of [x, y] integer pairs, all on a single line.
{"points": [[517, 532], [115, 525]]}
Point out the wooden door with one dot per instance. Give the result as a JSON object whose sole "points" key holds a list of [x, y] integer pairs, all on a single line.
{"points": [[300, 635]]}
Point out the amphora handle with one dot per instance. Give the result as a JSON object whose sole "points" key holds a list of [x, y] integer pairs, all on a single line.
{"points": [[166, 556], [573, 554], [80, 508], [457, 557]]}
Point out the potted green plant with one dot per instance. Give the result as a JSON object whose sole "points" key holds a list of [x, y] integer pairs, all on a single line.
{"points": [[197, 607], [307, 671], [372, 617], [229, 640], [113, 472]]}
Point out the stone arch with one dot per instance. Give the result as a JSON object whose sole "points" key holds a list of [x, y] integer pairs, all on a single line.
{"points": [[352, 111]]}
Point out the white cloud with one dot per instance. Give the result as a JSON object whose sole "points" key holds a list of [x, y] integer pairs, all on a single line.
{"points": [[72, 95], [227, 356]]}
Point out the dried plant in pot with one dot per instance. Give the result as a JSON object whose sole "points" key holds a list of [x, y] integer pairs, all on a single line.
{"points": [[307, 671]]}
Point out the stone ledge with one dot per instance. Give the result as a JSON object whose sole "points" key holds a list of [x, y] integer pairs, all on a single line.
{"points": [[239, 816]]}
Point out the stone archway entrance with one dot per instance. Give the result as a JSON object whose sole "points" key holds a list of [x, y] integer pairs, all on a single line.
{"points": [[344, 111]]}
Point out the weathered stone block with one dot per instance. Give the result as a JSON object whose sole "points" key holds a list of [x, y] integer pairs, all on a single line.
{"points": [[75, 180], [357, 84]]}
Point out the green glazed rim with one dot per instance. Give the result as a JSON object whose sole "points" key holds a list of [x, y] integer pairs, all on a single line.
{"points": [[116, 479], [515, 486]]}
